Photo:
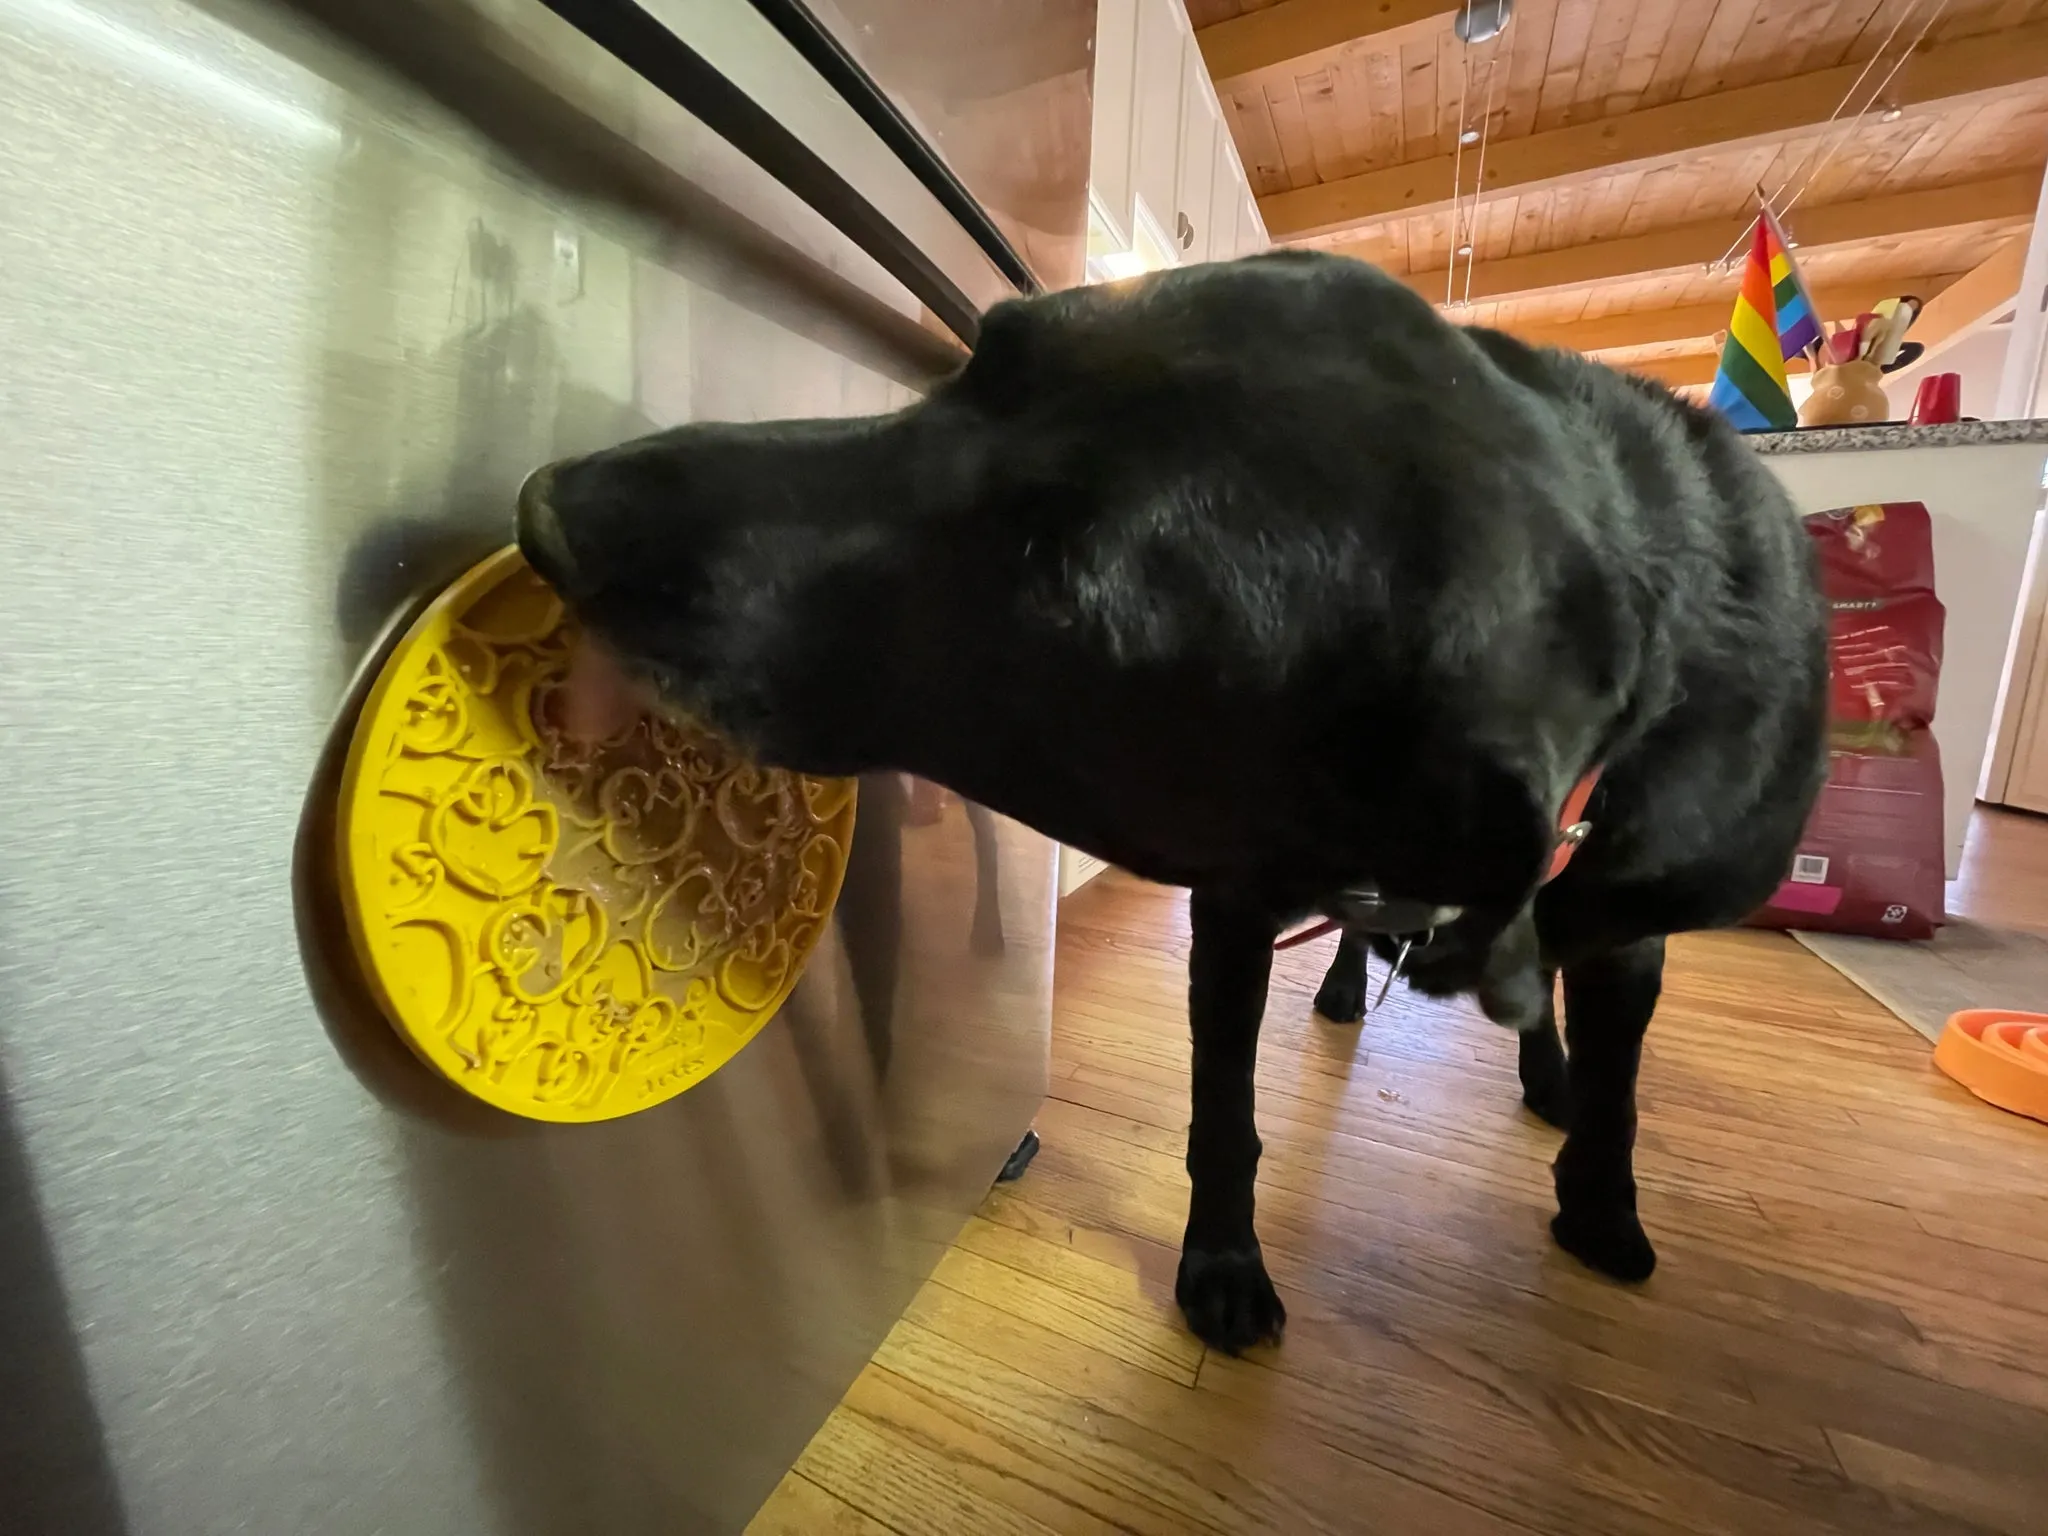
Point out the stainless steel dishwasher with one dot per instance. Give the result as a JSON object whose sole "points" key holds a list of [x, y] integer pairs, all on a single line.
{"points": [[291, 296]]}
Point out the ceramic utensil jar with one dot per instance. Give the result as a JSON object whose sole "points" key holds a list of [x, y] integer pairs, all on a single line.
{"points": [[1845, 392]]}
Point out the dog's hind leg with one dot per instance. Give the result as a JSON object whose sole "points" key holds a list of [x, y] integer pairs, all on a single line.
{"points": [[1341, 998], [1607, 1006], [1546, 1086], [1222, 1286]]}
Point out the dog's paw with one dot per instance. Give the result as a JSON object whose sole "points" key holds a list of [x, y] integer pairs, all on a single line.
{"points": [[1228, 1299], [1609, 1241], [1550, 1102], [1340, 1002]]}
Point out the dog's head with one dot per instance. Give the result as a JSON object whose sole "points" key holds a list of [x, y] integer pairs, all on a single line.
{"points": [[1155, 548]]}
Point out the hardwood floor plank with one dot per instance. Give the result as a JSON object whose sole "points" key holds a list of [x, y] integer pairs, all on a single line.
{"points": [[906, 1479], [1204, 1466], [1091, 1302], [799, 1507], [1990, 1502], [1848, 1331]]}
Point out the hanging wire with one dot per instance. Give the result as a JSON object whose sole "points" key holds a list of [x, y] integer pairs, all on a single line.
{"points": [[1848, 128], [1458, 160], [1465, 212], [1876, 96], [1479, 180]]}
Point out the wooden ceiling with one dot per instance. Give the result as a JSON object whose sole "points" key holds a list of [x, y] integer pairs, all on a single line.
{"points": [[1624, 141]]}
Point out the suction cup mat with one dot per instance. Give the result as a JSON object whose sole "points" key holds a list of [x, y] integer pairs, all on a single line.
{"points": [[568, 930]]}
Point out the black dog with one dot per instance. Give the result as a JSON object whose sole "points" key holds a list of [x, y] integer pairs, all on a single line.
{"points": [[1264, 580]]}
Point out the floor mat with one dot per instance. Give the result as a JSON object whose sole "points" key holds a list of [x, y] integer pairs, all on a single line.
{"points": [[1965, 965]]}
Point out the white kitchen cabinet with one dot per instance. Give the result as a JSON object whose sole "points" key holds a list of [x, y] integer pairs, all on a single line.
{"points": [[1251, 227], [1236, 228], [1193, 229], [1166, 184], [1222, 235], [1158, 91], [1226, 200], [1110, 180]]}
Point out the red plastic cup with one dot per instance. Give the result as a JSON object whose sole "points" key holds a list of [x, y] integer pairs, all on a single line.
{"points": [[1939, 400]]}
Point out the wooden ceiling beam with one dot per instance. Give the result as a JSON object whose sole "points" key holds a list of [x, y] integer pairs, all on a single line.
{"points": [[1772, 110], [1685, 369], [1299, 29], [1998, 201], [1688, 322], [1958, 308], [1963, 308], [1972, 301], [1640, 328]]}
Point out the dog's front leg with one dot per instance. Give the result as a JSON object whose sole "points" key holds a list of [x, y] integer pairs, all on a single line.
{"points": [[1607, 1006], [1341, 998], [1223, 1288]]}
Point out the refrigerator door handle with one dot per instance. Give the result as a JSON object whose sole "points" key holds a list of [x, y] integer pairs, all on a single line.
{"points": [[823, 51], [647, 46]]}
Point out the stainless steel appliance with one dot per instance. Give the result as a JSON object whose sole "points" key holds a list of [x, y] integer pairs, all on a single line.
{"points": [[290, 299]]}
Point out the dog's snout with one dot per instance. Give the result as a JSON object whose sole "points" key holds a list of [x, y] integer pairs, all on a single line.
{"points": [[540, 534]]}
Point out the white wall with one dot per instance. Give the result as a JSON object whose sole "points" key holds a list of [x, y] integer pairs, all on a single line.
{"points": [[1981, 498], [1980, 359]]}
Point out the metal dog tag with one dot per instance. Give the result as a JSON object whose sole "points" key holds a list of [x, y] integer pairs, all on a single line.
{"points": [[1367, 911], [1394, 972]]}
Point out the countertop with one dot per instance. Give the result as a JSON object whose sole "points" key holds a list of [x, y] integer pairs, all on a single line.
{"points": [[1961, 434]]}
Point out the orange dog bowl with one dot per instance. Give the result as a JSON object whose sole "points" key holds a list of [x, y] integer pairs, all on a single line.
{"points": [[2000, 1056]]}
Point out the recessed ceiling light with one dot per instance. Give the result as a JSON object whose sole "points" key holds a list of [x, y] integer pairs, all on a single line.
{"points": [[1469, 136], [1481, 21], [1464, 250]]}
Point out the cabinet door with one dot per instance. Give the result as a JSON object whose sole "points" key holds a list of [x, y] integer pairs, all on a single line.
{"points": [[1155, 155], [1226, 191], [1192, 232], [1115, 121], [1251, 226]]}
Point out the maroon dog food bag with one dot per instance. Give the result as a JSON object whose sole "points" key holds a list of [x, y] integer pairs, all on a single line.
{"points": [[1870, 860]]}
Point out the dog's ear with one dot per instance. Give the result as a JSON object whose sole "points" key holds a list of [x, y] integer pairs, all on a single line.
{"points": [[1006, 356]]}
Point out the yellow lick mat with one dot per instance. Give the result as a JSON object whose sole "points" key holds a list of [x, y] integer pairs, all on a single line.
{"points": [[568, 930]]}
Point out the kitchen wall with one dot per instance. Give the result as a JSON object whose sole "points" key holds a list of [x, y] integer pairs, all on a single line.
{"points": [[1980, 359]]}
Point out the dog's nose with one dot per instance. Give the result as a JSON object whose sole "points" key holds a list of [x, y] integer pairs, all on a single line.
{"points": [[540, 532]]}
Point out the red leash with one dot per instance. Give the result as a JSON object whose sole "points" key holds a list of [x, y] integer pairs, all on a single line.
{"points": [[1312, 931], [1572, 828]]}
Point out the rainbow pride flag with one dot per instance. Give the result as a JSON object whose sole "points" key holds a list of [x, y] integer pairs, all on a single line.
{"points": [[1749, 386], [1798, 324]]}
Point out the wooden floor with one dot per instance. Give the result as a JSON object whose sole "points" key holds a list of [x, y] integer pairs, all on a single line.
{"points": [[1848, 1333], [2004, 878]]}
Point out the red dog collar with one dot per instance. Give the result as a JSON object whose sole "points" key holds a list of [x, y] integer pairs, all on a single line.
{"points": [[1572, 828], [1572, 825]]}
